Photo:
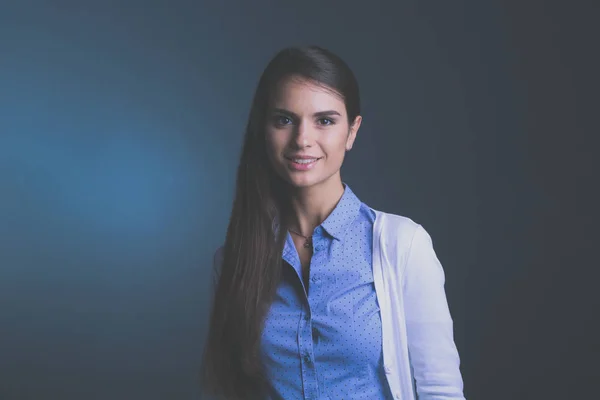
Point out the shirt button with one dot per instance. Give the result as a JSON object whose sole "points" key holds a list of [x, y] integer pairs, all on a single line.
{"points": [[314, 279], [307, 358], [388, 370]]}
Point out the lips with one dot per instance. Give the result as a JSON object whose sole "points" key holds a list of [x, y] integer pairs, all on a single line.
{"points": [[303, 160], [302, 164], [292, 158]]}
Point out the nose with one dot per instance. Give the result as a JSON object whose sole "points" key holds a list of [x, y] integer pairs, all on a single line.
{"points": [[303, 135]]}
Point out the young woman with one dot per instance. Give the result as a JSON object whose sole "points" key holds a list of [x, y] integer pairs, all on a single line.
{"points": [[317, 295]]}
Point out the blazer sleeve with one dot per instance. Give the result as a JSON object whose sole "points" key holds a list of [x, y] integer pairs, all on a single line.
{"points": [[433, 354]]}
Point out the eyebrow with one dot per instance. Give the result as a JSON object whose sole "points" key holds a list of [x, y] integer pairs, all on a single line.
{"points": [[326, 113]]}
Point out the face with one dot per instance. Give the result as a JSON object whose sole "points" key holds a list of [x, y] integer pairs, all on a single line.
{"points": [[306, 120]]}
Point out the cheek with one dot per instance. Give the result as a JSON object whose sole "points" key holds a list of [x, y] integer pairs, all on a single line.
{"points": [[275, 144], [335, 145], [270, 140]]}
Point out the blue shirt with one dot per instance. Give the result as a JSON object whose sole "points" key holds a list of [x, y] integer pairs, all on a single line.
{"points": [[327, 344]]}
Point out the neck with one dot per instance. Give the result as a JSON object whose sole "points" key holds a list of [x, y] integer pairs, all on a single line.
{"points": [[311, 206]]}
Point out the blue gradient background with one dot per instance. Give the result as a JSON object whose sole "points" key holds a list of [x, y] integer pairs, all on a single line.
{"points": [[120, 130]]}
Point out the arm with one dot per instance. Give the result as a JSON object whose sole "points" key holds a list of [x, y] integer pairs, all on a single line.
{"points": [[433, 354]]}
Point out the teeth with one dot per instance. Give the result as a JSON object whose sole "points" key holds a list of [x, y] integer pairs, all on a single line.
{"points": [[305, 161]]}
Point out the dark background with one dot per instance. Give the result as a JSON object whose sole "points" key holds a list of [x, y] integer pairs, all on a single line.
{"points": [[120, 130]]}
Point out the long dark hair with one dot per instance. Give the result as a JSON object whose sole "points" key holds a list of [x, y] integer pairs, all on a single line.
{"points": [[250, 269]]}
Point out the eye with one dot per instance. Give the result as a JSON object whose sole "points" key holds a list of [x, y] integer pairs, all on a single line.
{"points": [[282, 120], [326, 121]]}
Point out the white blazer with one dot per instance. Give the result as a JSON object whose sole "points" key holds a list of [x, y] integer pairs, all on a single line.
{"points": [[419, 355]]}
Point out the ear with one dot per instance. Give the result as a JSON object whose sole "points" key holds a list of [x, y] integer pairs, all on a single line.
{"points": [[352, 132]]}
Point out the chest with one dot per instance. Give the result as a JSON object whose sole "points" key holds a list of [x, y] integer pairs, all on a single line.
{"points": [[335, 326]]}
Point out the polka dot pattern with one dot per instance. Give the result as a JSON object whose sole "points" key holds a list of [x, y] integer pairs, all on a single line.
{"points": [[327, 344]]}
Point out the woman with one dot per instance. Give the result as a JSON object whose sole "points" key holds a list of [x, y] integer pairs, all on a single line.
{"points": [[317, 295]]}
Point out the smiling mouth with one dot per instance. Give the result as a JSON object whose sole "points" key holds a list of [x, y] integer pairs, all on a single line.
{"points": [[302, 164], [303, 159]]}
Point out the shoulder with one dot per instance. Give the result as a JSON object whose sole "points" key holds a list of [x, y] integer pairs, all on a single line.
{"points": [[398, 228], [398, 220]]}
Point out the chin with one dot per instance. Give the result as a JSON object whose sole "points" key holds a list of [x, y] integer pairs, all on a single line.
{"points": [[301, 180], [301, 183], [306, 181]]}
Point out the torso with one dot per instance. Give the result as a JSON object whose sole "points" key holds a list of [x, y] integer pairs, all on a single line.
{"points": [[335, 324]]}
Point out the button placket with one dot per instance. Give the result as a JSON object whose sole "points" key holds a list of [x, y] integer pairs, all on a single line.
{"points": [[308, 365], [305, 335]]}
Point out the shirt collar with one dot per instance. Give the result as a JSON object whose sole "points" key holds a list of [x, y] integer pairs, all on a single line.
{"points": [[344, 213], [342, 216]]}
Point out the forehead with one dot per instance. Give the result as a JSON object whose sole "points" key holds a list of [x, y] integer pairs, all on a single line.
{"points": [[298, 95]]}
